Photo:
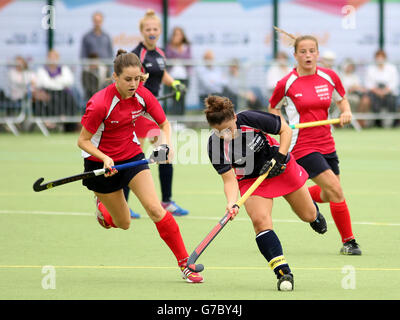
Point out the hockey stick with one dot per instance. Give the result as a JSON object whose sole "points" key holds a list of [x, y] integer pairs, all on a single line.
{"points": [[39, 186], [167, 96], [170, 95], [314, 123], [222, 223]]}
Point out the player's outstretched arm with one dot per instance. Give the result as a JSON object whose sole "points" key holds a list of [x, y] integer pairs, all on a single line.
{"points": [[345, 111], [231, 190]]}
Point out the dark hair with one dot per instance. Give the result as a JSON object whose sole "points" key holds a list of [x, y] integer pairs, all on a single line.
{"points": [[124, 59], [218, 109], [184, 38]]}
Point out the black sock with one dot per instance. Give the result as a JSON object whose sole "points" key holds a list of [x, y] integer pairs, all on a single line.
{"points": [[316, 207], [271, 248], [126, 192], [165, 172]]}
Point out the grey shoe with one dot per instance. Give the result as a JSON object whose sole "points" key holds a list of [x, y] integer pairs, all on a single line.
{"points": [[351, 248]]}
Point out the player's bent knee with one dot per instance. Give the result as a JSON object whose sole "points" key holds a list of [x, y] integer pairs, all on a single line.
{"points": [[334, 193], [123, 224], [155, 212], [310, 216], [260, 224]]}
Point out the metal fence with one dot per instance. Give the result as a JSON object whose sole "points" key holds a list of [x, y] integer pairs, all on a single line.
{"points": [[25, 106]]}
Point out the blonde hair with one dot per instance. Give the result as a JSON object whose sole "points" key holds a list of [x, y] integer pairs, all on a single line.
{"points": [[294, 41], [150, 14]]}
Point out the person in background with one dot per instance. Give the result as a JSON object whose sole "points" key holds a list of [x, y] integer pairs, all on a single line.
{"points": [[211, 78], [328, 59], [355, 91], [277, 71], [57, 80], [382, 83], [235, 89], [154, 63], [20, 80], [96, 41], [179, 48], [94, 76]]}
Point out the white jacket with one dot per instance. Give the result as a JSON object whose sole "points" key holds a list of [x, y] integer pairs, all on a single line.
{"points": [[60, 82]]}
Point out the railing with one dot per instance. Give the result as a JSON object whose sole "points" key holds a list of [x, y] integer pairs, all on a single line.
{"points": [[44, 108], [13, 113]]}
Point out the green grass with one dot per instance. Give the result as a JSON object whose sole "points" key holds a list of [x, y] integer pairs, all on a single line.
{"points": [[57, 228]]}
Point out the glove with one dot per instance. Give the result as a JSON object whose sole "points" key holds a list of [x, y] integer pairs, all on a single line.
{"points": [[258, 142], [277, 167], [179, 89], [160, 154]]}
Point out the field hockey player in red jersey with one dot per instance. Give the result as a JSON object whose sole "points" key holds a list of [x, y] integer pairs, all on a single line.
{"points": [[306, 94], [241, 149], [108, 138]]}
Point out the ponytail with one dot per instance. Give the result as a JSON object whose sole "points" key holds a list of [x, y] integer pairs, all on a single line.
{"points": [[293, 40]]}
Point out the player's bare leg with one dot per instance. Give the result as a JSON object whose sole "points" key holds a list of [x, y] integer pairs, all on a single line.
{"points": [[115, 206], [307, 210]]}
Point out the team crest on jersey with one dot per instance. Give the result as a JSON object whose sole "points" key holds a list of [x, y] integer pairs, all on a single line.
{"points": [[136, 114], [160, 62], [322, 92]]}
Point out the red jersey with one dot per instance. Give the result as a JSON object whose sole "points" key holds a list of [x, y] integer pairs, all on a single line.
{"points": [[111, 120], [308, 98]]}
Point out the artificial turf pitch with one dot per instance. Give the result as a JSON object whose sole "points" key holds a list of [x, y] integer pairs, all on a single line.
{"points": [[57, 228]]}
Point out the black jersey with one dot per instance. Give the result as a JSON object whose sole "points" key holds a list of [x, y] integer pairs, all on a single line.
{"points": [[237, 154], [153, 62]]}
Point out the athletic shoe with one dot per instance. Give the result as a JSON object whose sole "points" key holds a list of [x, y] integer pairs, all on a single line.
{"points": [[174, 209], [190, 276], [286, 282], [134, 215], [319, 225], [351, 248], [99, 214]]}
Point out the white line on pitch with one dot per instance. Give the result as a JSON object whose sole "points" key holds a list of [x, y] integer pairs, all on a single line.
{"points": [[210, 267], [190, 217]]}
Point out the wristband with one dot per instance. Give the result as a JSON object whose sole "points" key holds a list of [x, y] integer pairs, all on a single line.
{"points": [[279, 157]]}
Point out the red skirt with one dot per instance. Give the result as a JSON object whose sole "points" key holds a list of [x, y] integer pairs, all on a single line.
{"points": [[145, 128], [292, 179]]}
